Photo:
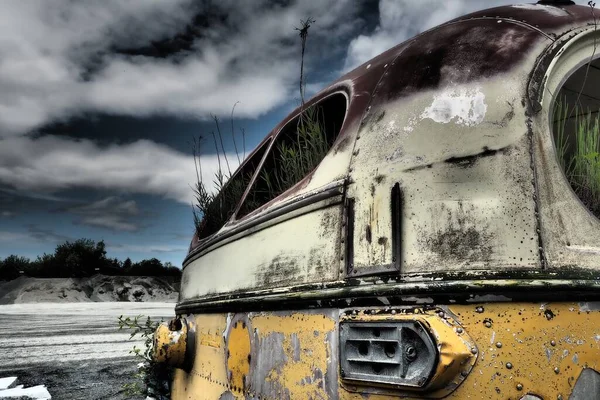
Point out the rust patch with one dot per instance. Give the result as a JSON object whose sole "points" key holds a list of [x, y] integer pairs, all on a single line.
{"points": [[277, 271], [379, 178], [469, 161], [462, 239], [368, 234]]}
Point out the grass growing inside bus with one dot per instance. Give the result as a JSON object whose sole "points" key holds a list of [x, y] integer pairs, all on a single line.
{"points": [[579, 156], [299, 154]]}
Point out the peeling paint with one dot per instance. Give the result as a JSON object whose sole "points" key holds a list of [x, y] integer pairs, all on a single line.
{"points": [[464, 106]]}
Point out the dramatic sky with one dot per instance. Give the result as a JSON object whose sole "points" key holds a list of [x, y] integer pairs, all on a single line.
{"points": [[99, 101]]}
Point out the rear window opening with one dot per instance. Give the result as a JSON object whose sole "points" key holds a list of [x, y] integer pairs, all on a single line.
{"points": [[298, 149], [212, 212], [576, 131]]}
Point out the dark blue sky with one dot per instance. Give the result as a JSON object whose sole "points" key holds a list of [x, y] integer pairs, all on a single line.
{"points": [[99, 102]]}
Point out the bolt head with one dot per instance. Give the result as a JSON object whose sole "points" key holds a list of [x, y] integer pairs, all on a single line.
{"points": [[509, 365], [498, 344], [488, 324], [393, 312], [519, 387], [474, 350], [459, 330], [553, 343], [556, 370], [479, 309]]}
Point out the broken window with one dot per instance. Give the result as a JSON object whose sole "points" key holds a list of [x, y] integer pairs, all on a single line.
{"points": [[297, 150], [211, 212], [576, 131]]}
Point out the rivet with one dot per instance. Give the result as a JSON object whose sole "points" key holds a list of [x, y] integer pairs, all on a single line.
{"points": [[354, 312], [393, 312], [553, 343], [488, 324], [556, 370], [498, 345], [509, 365], [441, 314], [459, 330], [519, 387], [474, 350], [559, 397], [479, 309], [464, 373]]}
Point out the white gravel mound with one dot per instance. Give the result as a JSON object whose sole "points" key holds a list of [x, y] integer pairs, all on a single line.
{"points": [[98, 288]]}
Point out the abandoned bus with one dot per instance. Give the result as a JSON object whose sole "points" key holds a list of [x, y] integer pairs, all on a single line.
{"points": [[446, 245]]}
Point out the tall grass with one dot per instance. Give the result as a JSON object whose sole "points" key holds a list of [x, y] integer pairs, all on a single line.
{"points": [[212, 209], [297, 154], [579, 152]]}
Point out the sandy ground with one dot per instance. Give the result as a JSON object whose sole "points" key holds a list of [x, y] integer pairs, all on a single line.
{"points": [[75, 349]]}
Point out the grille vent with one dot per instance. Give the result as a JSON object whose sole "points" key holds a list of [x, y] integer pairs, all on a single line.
{"points": [[396, 353]]}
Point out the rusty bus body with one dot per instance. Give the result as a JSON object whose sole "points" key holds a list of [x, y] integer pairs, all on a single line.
{"points": [[436, 251]]}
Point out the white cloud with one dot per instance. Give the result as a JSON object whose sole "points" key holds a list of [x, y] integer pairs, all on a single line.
{"points": [[60, 61], [51, 163], [399, 20]]}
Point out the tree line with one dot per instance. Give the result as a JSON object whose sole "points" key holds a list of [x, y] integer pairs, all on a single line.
{"points": [[78, 259]]}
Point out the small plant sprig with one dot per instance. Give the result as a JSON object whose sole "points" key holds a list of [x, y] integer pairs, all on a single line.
{"points": [[152, 379]]}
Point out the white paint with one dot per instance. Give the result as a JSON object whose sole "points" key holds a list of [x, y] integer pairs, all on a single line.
{"points": [[175, 337], [227, 326], [36, 392], [585, 249], [555, 11], [412, 121], [459, 105], [8, 382]]}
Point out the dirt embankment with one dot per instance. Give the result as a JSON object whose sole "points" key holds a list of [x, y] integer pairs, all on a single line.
{"points": [[95, 288]]}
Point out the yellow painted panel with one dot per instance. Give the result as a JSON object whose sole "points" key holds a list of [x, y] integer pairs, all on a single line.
{"points": [[522, 348]]}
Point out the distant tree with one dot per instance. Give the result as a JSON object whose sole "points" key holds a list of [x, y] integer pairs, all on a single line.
{"points": [[127, 264], [12, 266], [80, 258], [43, 267]]}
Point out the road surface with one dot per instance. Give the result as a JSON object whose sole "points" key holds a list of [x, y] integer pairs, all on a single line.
{"points": [[75, 349]]}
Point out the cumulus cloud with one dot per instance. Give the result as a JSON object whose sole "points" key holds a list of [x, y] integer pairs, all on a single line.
{"points": [[139, 57], [52, 163], [400, 20]]}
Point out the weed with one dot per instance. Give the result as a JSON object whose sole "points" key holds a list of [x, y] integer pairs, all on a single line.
{"points": [[579, 156], [152, 379]]}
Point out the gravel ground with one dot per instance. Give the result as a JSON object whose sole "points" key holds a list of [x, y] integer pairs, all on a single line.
{"points": [[75, 349]]}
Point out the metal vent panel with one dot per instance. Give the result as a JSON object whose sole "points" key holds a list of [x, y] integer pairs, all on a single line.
{"points": [[397, 353]]}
